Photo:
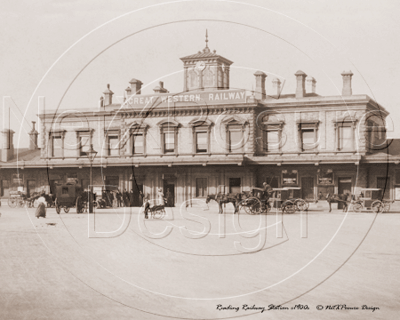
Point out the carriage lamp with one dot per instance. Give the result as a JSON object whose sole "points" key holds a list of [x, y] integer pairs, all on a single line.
{"points": [[91, 154]]}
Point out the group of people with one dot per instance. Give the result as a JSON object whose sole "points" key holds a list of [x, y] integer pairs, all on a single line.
{"points": [[116, 198]]}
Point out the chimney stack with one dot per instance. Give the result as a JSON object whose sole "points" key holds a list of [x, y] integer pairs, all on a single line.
{"points": [[7, 152], [128, 92], [33, 137], [276, 83], [260, 85], [136, 86], [301, 84], [311, 85], [160, 88], [108, 96], [346, 75]]}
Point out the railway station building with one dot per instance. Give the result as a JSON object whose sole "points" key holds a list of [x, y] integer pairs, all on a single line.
{"points": [[210, 138]]}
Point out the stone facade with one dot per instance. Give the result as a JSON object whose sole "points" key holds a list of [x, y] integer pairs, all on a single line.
{"points": [[237, 129]]}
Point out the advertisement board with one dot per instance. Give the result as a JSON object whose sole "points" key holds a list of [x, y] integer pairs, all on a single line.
{"points": [[290, 177], [325, 177]]}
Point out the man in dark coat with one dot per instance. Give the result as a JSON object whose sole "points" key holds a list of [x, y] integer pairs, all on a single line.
{"points": [[126, 198], [131, 198], [119, 198]]}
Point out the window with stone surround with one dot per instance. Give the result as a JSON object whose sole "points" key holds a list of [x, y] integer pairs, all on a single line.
{"points": [[138, 134], [235, 134], [344, 134], [201, 135], [271, 127], [169, 136], [308, 135], [56, 143], [84, 140], [113, 142]]}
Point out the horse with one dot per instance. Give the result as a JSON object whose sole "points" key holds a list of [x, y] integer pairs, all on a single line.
{"points": [[336, 198], [223, 199]]}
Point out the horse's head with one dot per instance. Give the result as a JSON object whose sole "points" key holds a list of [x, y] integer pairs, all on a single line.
{"points": [[208, 199], [328, 196]]}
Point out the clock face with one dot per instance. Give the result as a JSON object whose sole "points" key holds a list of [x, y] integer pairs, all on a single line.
{"points": [[200, 65]]}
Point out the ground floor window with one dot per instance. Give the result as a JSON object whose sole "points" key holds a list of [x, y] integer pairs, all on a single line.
{"points": [[234, 185], [5, 188], [272, 181], [201, 187], [307, 188], [383, 183]]}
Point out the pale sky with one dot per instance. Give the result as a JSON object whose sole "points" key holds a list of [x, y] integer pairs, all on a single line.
{"points": [[321, 38]]}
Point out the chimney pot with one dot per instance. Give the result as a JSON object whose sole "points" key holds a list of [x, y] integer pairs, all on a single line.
{"points": [[276, 83], [7, 152], [301, 87], [260, 93], [108, 96], [160, 88], [136, 86], [311, 84], [347, 91], [33, 137]]}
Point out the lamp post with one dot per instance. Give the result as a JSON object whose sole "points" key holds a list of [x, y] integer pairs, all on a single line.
{"points": [[91, 155]]}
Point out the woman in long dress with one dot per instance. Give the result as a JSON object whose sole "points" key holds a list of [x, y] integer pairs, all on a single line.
{"points": [[41, 209], [160, 196]]}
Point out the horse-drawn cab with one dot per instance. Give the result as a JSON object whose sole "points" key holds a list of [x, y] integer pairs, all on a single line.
{"points": [[68, 196], [371, 199], [253, 202], [295, 196], [282, 199]]}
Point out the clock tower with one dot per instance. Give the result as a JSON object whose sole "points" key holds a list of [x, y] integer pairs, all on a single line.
{"points": [[206, 70]]}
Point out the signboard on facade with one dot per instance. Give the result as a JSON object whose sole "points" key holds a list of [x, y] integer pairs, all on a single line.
{"points": [[17, 179], [72, 181], [201, 98], [325, 177], [289, 177]]}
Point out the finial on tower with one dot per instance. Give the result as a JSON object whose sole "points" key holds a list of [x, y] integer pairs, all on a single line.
{"points": [[206, 49]]}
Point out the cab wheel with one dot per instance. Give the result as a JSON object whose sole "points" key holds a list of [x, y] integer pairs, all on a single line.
{"points": [[357, 207], [58, 208], [289, 207], [377, 206]]}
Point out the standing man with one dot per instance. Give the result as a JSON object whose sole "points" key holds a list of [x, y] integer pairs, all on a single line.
{"points": [[131, 198], [267, 192], [126, 198], [119, 198]]}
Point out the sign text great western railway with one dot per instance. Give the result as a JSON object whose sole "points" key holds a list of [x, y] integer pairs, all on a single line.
{"points": [[215, 97]]}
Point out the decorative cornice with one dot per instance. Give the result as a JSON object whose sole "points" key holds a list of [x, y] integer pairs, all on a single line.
{"points": [[128, 114]]}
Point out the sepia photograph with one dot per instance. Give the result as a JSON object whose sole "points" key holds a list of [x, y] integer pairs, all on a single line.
{"points": [[199, 159]]}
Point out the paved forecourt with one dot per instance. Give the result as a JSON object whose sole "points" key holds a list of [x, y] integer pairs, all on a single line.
{"points": [[193, 260]]}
